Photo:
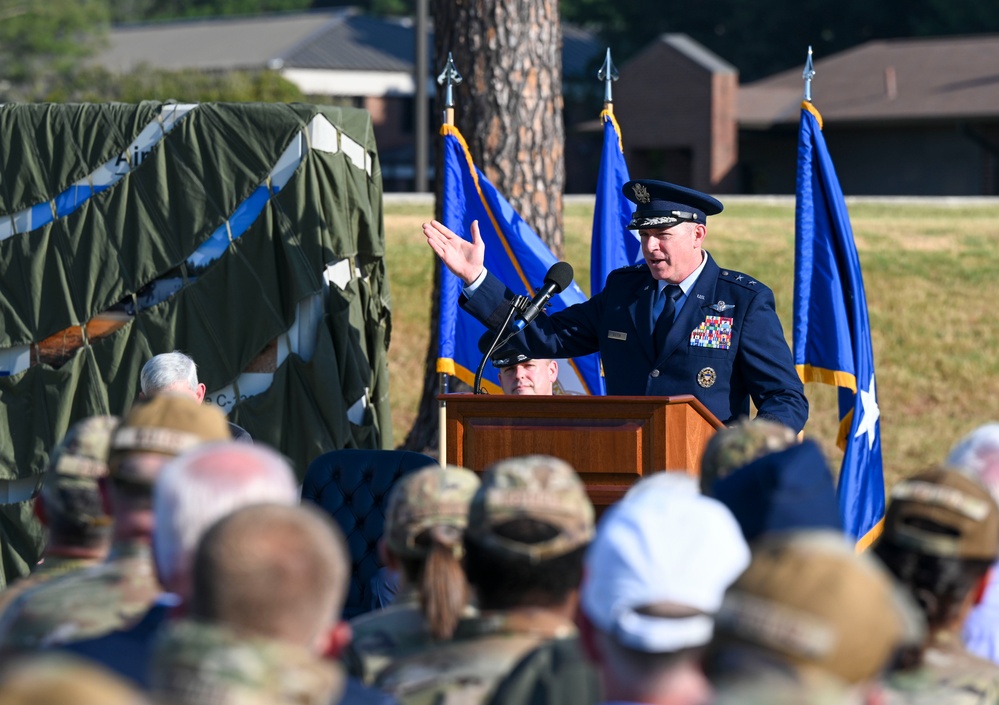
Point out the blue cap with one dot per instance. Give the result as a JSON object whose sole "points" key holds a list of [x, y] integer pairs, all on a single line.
{"points": [[790, 489], [504, 355], [662, 205]]}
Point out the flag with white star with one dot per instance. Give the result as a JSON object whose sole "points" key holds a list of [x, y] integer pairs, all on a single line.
{"points": [[832, 333]]}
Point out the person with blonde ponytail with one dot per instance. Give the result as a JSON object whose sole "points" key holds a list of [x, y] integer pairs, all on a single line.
{"points": [[423, 543]]}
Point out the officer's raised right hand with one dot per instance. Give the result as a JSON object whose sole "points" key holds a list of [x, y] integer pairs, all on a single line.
{"points": [[462, 257]]}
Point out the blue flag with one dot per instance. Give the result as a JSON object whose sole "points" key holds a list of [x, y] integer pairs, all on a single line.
{"points": [[832, 334], [613, 245], [514, 253]]}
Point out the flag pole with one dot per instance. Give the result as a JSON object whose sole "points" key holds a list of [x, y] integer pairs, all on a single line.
{"points": [[608, 74], [808, 74], [448, 78]]}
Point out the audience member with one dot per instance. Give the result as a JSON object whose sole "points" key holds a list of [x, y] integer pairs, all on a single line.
{"points": [[116, 593], [810, 621], [741, 443], [70, 505], [528, 528], [50, 679], [424, 528], [269, 583], [655, 575], [941, 536], [192, 492], [176, 373], [781, 491], [978, 455]]}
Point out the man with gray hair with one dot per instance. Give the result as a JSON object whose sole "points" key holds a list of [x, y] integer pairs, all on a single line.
{"points": [[176, 373], [977, 455], [656, 573], [192, 492]]}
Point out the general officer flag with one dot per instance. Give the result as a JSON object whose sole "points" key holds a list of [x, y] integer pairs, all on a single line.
{"points": [[832, 334], [612, 245], [514, 253]]}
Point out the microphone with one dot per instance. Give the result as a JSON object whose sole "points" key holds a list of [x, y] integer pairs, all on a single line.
{"points": [[557, 279]]}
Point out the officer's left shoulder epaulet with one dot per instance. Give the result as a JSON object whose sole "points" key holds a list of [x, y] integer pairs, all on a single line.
{"points": [[741, 279]]}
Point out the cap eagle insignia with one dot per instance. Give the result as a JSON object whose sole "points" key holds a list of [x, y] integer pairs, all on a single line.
{"points": [[641, 193]]}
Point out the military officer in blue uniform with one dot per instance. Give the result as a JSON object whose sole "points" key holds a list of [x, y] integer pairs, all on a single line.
{"points": [[675, 324]]}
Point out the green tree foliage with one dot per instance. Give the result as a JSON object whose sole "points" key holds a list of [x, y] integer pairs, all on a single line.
{"points": [[141, 10], [39, 37], [189, 86], [766, 36]]}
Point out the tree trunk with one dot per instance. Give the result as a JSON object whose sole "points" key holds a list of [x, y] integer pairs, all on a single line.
{"points": [[509, 108]]}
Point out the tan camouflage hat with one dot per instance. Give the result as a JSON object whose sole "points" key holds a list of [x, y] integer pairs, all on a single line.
{"points": [[75, 466], [432, 498], [167, 424], [740, 444], [811, 600], [942, 512], [57, 679], [537, 487]]}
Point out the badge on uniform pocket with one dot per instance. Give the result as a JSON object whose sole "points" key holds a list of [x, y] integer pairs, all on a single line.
{"points": [[714, 332]]}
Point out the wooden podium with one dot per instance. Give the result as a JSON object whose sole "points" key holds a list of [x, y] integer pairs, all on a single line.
{"points": [[611, 441]]}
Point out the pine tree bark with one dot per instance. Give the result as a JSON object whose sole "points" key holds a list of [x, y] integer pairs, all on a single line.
{"points": [[509, 108]]}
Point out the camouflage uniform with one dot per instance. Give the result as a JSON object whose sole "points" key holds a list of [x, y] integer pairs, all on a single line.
{"points": [[945, 514], [486, 649], [469, 668], [740, 444], [72, 499], [949, 674], [430, 499], [201, 664], [117, 593]]}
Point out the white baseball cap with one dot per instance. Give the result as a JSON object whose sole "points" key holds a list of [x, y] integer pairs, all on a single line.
{"points": [[660, 564]]}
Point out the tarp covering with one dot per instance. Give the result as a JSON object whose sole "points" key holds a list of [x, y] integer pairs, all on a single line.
{"points": [[144, 224]]}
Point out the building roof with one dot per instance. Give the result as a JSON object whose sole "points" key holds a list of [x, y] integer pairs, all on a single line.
{"points": [[333, 40], [895, 80]]}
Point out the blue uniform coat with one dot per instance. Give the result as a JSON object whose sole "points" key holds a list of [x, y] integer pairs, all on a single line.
{"points": [[753, 362]]}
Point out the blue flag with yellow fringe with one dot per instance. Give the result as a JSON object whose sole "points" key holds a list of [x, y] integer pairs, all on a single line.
{"points": [[832, 333], [514, 253], [612, 246]]}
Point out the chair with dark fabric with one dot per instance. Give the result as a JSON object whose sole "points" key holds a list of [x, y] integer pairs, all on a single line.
{"points": [[353, 486]]}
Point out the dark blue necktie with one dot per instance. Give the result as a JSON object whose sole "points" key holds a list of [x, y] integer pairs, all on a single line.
{"points": [[663, 309]]}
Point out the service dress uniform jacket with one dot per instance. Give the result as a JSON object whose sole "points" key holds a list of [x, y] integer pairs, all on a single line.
{"points": [[725, 346]]}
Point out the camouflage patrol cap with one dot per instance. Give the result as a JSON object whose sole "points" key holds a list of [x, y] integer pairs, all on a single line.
{"points": [[167, 424], [432, 498], [52, 679], [812, 601], [74, 468], [537, 487], [944, 513], [740, 444]]}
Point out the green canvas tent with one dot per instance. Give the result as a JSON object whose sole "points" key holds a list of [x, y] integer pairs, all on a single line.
{"points": [[249, 236]]}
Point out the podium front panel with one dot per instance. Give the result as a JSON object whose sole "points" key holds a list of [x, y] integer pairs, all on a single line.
{"points": [[611, 441]]}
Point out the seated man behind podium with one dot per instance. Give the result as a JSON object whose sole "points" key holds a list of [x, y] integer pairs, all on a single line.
{"points": [[518, 373]]}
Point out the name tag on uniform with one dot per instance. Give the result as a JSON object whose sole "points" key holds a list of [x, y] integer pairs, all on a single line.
{"points": [[714, 332], [617, 335]]}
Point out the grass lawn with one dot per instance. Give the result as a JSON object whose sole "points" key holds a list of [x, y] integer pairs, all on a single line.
{"points": [[931, 271]]}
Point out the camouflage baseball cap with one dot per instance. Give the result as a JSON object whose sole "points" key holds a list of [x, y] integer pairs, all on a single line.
{"points": [[432, 498], [740, 444], [55, 679], [74, 468], [942, 512], [812, 601], [537, 487], [167, 424]]}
